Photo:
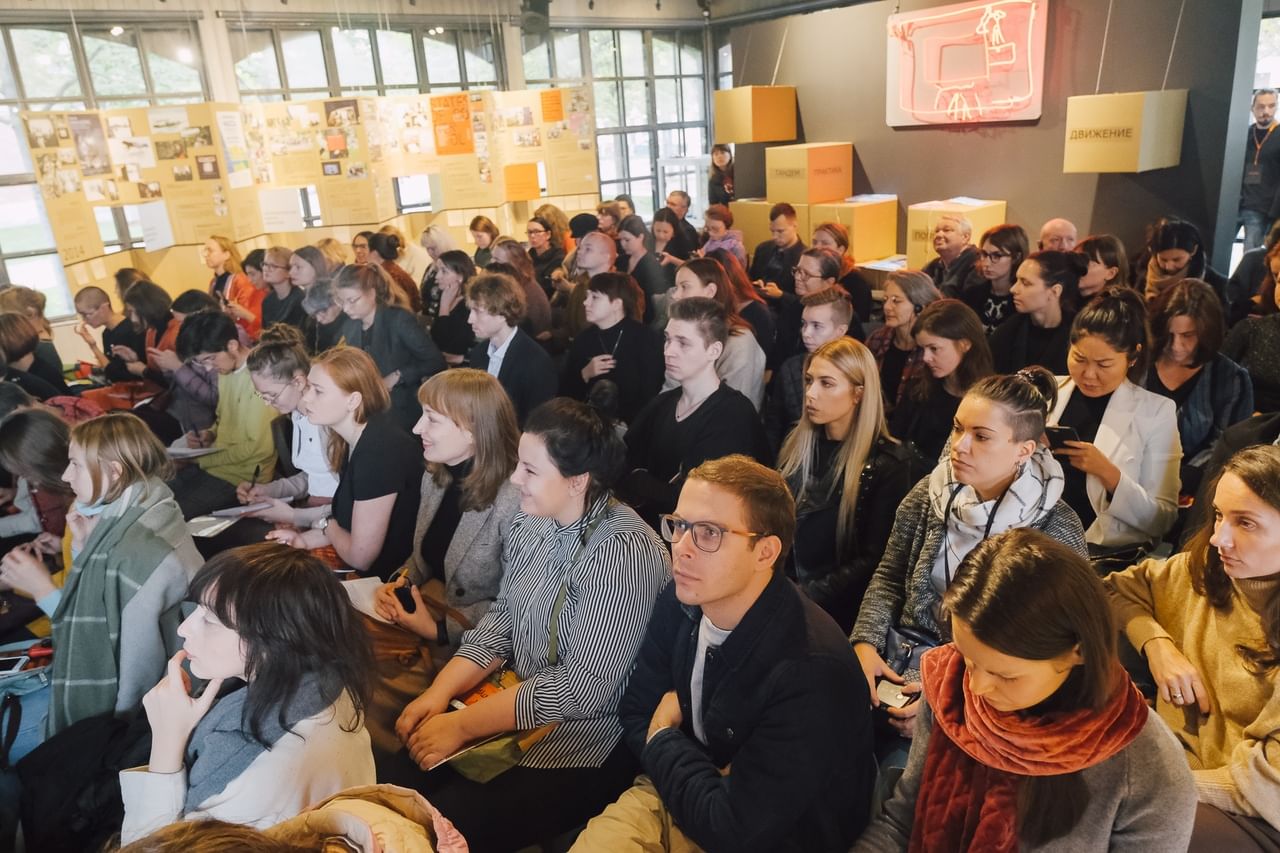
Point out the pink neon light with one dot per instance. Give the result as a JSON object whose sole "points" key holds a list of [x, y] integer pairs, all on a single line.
{"points": [[967, 63]]}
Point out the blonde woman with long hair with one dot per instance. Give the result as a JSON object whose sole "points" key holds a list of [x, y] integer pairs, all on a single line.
{"points": [[847, 475]]}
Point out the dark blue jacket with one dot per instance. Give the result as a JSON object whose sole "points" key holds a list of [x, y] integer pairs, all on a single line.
{"points": [[785, 708]]}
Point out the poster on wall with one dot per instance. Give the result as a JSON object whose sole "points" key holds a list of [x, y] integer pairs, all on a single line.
{"points": [[451, 120], [280, 210], [90, 143], [157, 232], [967, 63]]}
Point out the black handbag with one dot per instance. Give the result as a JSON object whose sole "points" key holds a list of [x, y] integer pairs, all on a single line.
{"points": [[903, 648]]}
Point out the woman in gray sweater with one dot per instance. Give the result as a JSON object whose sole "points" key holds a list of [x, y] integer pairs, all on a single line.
{"points": [[1031, 735], [995, 477]]}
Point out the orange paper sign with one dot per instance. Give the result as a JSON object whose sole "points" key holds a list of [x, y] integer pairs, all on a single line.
{"points": [[451, 118], [552, 105], [521, 180]]}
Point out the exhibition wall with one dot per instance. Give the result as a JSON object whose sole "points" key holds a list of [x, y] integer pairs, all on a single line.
{"points": [[836, 59]]}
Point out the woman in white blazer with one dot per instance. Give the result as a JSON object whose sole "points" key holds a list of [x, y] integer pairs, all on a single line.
{"points": [[1122, 475]]}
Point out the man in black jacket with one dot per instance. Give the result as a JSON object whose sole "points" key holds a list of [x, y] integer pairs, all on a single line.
{"points": [[504, 350], [774, 261], [746, 707]]}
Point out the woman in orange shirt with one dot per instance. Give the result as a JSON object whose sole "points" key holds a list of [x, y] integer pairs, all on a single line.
{"points": [[230, 286]]}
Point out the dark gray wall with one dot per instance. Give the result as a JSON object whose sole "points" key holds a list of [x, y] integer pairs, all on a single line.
{"points": [[836, 59]]}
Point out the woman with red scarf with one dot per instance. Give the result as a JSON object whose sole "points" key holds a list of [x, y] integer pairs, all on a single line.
{"points": [[1031, 735]]}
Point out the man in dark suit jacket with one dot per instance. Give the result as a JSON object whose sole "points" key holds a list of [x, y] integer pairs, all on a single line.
{"points": [[518, 361], [774, 260]]}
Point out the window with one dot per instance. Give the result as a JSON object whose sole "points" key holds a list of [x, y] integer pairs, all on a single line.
{"points": [[310, 62], [413, 192], [65, 68], [309, 201], [650, 101]]}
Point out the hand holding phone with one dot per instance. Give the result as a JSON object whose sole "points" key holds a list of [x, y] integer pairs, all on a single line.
{"points": [[1059, 436], [891, 694]]}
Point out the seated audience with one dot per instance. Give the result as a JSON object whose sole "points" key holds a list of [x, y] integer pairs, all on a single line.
{"points": [[956, 255], [483, 233], [115, 615], [150, 310], [596, 253], [241, 432], [325, 318], [1045, 300], [278, 368], [679, 202], [18, 341], [608, 215], [774, 261], [193, 404], [383, 249], [252, 312], [720, 233], [277, 626], [1211, 391], [1259, 429], [469, 441], [360, 247], [670, 246], [33, 455], [229, 286], [31, 303], [988, 289], [834, 237], [1057, 235], [741, 365], [751, 305], [625, 203], [638, 261], [1108, 264], [1176, 252], [561, 233], [729, 766], [1030, 735], [537, 316], [1206, 622], [1254, 344], [995, 477], [335, 252], [496, 306], [93, 305], [436, 241], [379, 466], [411, 257], [616, 346], [451, 330], [585, 565], [545, 253], [1122, 472], [826, 317], [815, 271], [848, 476], [953, 355], [284, 303], [1253, 279], [308, 265], [720, 188], [703, 418], [404, 353], [906, 293]]}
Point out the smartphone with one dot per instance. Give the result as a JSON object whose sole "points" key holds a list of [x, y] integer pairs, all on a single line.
{"points": [[891, 694], [405, 597], [1059, 435], [12, 664]]}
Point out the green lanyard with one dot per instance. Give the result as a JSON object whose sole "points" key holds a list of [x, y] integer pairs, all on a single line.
{"points": [[553, 644]]}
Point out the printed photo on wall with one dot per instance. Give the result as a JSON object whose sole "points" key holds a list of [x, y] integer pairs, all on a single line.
{"points": [[150, 189], [174, 149], [130, 173], [343, 113], [40, 133], [94, 190], [207, 166], [357, 170], [118, 127], [112, 189], [90, 144], [182, 173], [198, 137], [335, 143], [331, 169]]}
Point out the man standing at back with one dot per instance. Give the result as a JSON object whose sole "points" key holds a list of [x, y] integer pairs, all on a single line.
{"points": [[745, 707], [1258, 188]]}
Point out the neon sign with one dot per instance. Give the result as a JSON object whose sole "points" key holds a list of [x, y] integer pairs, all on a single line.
{"points": [[966, 64]]}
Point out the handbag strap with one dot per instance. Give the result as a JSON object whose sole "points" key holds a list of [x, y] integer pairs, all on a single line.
{"points": [[10, 721], [553, 631]]}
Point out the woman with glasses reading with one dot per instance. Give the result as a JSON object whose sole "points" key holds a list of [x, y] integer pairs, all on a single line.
{"points": [[581, 573]]}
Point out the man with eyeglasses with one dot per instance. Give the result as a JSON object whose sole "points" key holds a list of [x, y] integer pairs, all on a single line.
{"points": [[241, 433], [956, 254], [746, 707], [283, 303], [95, 310], [775, 258]]}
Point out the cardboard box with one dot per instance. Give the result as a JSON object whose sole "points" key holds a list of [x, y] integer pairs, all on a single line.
{"points": [[810, 173], [751, 217], [981, 213], [755, 114], [1124, 132], [872, 221]]}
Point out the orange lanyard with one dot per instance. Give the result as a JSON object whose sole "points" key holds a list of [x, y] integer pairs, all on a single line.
{"points": [[1257, 146]]}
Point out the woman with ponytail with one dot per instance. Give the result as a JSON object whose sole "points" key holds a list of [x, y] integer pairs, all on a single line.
{"points": [[1046, 293], [1208, 622], [1031, 736]]}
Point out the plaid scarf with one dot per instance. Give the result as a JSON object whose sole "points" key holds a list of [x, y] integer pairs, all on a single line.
{"points": [[133, 536]]}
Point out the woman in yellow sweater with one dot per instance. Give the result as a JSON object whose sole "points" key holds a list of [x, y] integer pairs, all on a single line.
{"points": [[1208, 622]]}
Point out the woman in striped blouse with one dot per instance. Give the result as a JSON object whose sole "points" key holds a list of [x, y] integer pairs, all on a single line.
{"points": [[585, 568]]}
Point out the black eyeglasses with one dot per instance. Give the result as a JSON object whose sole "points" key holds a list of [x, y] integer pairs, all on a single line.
{"points": [[707, 536], [992, 257]]}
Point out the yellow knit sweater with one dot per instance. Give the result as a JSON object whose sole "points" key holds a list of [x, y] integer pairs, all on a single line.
{"points": [[1234, 751]]}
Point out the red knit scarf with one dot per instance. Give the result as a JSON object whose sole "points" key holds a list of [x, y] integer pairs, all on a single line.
{"points": [[968, 799]]}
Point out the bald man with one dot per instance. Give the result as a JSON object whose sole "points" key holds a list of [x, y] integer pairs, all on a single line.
{"points": [[1057, 235]]}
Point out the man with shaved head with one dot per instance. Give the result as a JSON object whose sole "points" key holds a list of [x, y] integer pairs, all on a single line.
{"points": [[1057, 235]]}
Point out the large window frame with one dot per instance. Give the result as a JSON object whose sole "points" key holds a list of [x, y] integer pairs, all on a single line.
{"points": [[88, 86]]}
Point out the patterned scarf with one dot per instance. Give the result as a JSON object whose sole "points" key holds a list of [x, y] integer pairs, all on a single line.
{"points": [[977, 755]]}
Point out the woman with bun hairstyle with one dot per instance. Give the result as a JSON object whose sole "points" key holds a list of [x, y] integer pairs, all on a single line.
{"points": [[1122, 470], [586, 565], [953, 354], [1045, 299], [900, 360], [383, 250], [995, 477], [1211, 391], [1030, 735], [275, 627], [1208, 622], [847, 474]]}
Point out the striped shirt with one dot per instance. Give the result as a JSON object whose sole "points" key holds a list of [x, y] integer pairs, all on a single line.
{"points": [[611, 593]]}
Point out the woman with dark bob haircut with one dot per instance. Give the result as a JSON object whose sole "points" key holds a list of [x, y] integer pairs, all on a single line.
{"points": [[580, 576], [274, 625], [1031, 735], [1211, 391]]}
